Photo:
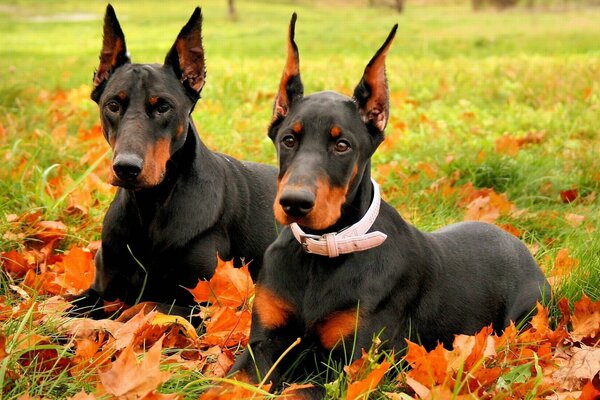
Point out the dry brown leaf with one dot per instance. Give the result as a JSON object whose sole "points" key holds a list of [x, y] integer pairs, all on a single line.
{"points": [[129, 379], [581, 368], [574, 219]]}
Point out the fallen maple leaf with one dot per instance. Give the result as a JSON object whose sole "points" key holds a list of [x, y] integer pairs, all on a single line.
{"points": [[369, 383], [574, 219], [480, 209], [484, 204], [563, 263], [468, 351], [47, 231], [218, 362], [591, 390], [129, 379], [78, 271], [510, 228], [532, 137], [586, 321], [581, 368], [228, 327], [508, 145], [569, 195], [15, 263], [427, 368], [229, 286]]}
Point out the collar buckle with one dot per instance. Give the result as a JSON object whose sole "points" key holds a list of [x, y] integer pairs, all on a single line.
{"points": [[304, 241]]}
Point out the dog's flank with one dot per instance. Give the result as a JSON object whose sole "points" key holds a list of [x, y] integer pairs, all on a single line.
{"points": [[178, 204], [404, 283]]}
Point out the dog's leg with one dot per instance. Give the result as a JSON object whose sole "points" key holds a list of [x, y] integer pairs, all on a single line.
{"points": [[89, 304], [264, 359]]}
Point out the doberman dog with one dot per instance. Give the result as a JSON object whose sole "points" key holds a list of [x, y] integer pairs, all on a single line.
{"points": [[178, 204], [348, 267]]}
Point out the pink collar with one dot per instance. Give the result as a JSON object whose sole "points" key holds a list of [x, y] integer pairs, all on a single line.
{"points": [[350, 239]]}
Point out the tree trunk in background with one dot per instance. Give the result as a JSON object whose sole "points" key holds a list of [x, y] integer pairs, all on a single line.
{"points": [[400, 6], [231, 8]]}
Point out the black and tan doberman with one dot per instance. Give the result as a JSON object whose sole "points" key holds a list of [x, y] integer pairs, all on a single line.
{"points": [[178, 204], [348, 267]]}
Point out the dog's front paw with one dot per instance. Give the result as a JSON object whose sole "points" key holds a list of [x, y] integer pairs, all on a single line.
{"points": [[89, 304]]}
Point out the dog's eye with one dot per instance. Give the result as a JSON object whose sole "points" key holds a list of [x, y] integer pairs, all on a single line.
{"points": [[342, 146], [113, 106], [163, 107], [289, 141]]}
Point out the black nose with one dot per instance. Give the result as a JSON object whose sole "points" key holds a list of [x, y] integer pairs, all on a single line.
{"points": [[127, 167], [297, 203]]}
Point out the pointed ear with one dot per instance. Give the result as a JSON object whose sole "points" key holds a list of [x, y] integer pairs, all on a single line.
{"points": [[186, 57], [290, 86], [371, 93], [113, 54]]}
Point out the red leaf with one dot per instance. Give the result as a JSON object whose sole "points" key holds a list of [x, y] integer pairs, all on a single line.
{"points": [[591, 390], [569, 195]]}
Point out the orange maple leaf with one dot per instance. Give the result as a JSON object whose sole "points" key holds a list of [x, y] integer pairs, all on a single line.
{"points": [[15, 263], [508, 145], [369, 383], [427, 368], [129, 379], [591, 390], [586, 320], [228, 327], [218, 362], [484, 204], [47, 231], [78, 271], [229, 286], [480, 209], [563, 263]]}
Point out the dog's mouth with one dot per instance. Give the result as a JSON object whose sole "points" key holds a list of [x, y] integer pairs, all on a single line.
{"points": [[137, 184], [317, 212]]}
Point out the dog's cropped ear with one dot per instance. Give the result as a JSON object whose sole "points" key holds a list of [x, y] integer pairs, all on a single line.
{"points": [[113, 53], [186, 57], [290, 86], [371, 93]]}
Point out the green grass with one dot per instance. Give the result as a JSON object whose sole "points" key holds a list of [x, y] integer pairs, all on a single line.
{"points": [[459, 80]]}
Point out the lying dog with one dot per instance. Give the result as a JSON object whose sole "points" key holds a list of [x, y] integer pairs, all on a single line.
{"points": [[348, 267], [178, 203]]}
